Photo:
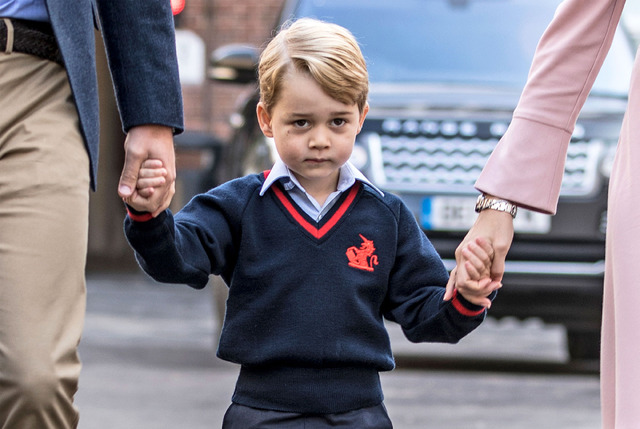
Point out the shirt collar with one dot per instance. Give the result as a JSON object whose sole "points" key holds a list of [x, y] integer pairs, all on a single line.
{"points": [[348, 176]]}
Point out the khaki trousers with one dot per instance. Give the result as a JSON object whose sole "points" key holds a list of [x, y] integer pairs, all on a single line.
{"points": [[44, 193]]}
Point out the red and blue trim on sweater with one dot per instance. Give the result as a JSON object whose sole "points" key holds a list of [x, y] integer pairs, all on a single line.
{"points": [[320, 232], [138, 216]]}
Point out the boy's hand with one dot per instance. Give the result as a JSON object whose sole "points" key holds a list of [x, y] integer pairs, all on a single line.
{"points": [[152, 175], [473, 278]]}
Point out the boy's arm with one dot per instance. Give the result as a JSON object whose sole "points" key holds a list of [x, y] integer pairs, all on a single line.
{"points": [[201, 239], [416, 290], [165, 253]]}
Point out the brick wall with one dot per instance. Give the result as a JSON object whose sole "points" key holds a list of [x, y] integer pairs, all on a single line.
{"points": [[219, 22]]}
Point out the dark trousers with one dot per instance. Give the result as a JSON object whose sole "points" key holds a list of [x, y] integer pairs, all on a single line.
{"points": [[241, 417]]}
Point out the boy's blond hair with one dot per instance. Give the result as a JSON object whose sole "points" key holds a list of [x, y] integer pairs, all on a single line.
{"points": [[328, 52]]}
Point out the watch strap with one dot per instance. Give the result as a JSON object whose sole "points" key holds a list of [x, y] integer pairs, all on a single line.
{"points": [[497, 204]]}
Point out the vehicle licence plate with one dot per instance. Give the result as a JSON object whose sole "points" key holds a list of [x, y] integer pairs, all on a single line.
{"points": [[458, 214]]}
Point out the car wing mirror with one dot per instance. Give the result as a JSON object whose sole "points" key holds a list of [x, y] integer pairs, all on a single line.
{"points": [[234, 63]]}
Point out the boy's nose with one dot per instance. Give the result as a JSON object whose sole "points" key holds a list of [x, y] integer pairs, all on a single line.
{"points": [[319, 140]]}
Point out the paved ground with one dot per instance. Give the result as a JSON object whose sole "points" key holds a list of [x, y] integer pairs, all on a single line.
{"points": [[149, 364]]}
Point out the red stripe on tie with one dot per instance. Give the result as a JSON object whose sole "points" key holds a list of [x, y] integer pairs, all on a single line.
{"points": [[462, 309]]}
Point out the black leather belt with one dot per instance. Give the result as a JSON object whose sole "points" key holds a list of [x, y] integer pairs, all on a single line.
{"points": [[31, 37]]}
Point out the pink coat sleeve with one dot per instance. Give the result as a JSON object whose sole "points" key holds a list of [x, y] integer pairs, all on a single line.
{"points": [[528, 163]]}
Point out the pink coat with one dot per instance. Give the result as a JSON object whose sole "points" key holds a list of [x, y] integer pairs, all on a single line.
{"points": [[527, 167]]}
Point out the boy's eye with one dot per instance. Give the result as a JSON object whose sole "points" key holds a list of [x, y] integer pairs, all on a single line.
{"points": [[338, 122], [301, 123]]}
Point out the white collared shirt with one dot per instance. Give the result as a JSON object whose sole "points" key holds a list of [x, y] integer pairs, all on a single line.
{"points": [[33, 10], [348, 176]]}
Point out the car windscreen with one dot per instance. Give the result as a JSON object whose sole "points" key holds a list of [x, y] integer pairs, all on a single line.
{"points": [[488, 42]]}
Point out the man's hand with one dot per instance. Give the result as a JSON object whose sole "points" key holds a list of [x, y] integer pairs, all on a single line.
{"points": [[148, 142], [497, 228]]}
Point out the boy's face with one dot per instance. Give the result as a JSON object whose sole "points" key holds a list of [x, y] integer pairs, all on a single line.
{"points": [[313, 133]]}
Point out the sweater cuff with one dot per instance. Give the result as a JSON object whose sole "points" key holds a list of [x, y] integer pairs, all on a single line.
{"points": [[138, 216], [465, 307]]}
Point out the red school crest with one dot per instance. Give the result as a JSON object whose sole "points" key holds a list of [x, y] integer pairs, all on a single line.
{"points": [[362, 257]]}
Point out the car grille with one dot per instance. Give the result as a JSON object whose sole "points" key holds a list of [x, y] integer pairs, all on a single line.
{"points": [[448, 158]]}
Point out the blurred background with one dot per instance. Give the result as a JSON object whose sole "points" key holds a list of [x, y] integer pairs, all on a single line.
{"points": [[149, 349], [202, 26]]}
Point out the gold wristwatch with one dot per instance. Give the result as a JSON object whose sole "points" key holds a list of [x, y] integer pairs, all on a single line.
{"points": [[485, 202]]}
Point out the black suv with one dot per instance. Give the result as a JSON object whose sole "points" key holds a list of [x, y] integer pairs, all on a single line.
{"points": [[445, 77]]}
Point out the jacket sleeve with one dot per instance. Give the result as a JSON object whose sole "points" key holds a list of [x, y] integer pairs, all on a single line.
{"points": [[528, 163], [416, 288], [139, 39]]}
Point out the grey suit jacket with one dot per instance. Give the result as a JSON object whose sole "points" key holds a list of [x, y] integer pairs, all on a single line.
{"points": [[140, 45]]}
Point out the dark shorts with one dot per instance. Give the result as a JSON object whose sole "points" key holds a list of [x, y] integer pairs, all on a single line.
{"points": [[242, 417]]}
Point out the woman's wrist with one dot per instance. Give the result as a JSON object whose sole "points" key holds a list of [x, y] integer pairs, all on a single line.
{"points": [[489, 202]]}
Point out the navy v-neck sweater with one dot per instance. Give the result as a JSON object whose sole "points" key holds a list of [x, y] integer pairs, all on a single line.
{"points": [[307, 299]]}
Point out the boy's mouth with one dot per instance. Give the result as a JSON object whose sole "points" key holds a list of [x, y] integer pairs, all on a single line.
{"points": [[316, 160]]}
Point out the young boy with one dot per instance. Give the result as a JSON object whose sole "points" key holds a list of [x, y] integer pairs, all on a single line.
{"points": [[314, 255]]}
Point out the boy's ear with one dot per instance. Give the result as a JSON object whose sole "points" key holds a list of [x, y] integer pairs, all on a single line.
{"points": [[264, 119], [363, 115]]}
